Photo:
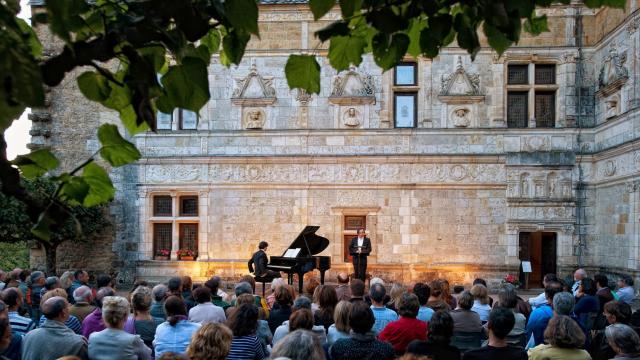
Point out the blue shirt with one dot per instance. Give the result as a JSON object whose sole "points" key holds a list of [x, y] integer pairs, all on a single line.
{"points": [[538, 321], [72, 323], [19, 324], [383, 316], [174, 338], [246, 348], [425, 314], [626, 294]]}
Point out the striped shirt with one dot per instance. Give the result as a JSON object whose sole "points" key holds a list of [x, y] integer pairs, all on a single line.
{"points": [[72, 323], [246, 347], [19, 324]]}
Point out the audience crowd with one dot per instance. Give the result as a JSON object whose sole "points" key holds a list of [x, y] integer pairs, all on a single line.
{"points": [[72, 317]]}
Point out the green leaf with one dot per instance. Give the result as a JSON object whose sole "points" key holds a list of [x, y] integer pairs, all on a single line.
{"points": [[74, 190], [612, 3], [119, 97], [36, 163], [536, 25], [41, 228], [243, 15], [155, 55], [349, 7], [187, 85], [233, 46], [415, 27], [345, 50], [101, 189], [388, 53], [63, 16], [115, 149], [32, 39], [497, 40], [212, 40], [94, 86], [129, 120], [320, 7], [303, 72]]}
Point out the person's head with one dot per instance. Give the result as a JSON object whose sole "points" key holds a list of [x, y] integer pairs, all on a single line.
{"points": [[441, 327], [102, 293], [579, 274], [244, 320], [114, 311], [508, 296], [376, 280], [83, 294], [343, 278], [341, 316], [37, 278], [159, 293], [4, 310], [588, 286], [283, 296], [140, 282], [377, 293], [245, 299], [310, 287], [501, 322], [242, 287], [563, 303], [301, 302], [422, 291], [623, 340], [104, 280], [564, 332], [327, 298], [174, 307], [408, 305], [66, 279], [5, 333], [361, 317], [56, 308], [617, 312], [249, 280], [549, 277], [301, 319], [396, 292], [480, 293], [210, 342], [465, 301], [52, 282], [276, 283], [624, 281], [141, 299], [53, 293], [213, 284], [479, 281], [12, 297], [299, 345], [361, 232], [263, 245], [81, 276], [202, 295], [601, 281], [357, 288], [187, 283], [436, 289], [175, 285], [552, 288]]}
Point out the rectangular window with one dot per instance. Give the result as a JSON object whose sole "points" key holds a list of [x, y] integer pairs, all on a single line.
{"points": [[188, 206], [404, 106], [354, 222], [517, 109], [189, 237], [163, 121], [545, 74], [545, 109], [162, 205], [405, 74], [188, 120], [518, 74], [162, 237]]}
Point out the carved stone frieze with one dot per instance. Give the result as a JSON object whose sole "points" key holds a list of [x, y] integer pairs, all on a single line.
{"points": [[353, 88], [254, 90], [174, 173], [539, 184]]}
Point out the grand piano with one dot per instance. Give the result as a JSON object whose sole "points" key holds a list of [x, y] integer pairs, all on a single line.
{"points": [[299, 258]]}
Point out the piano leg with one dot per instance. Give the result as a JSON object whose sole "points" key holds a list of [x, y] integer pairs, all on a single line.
{"points": [[300, 279], [322, 276], [290, 278]]}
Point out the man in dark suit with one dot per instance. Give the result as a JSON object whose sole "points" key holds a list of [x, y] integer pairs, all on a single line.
{"points": [[260, 260], [359, 249]]}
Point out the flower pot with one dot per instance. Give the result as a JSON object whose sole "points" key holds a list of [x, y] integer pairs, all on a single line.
{"points": [[187, 258], [160, 257]]}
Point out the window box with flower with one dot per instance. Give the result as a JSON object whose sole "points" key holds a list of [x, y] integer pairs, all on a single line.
{"points": [[186, 254], [162, 254]]}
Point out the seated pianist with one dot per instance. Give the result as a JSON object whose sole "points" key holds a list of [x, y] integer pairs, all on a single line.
{"points": [[260, 260]]}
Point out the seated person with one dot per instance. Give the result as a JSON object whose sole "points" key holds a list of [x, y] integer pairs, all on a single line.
{"points": [[260, 260], [401, 332], [501, 321], [437, 346]]}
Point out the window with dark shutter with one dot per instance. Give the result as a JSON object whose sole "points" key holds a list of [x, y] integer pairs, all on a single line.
{"points": [[162, 236], [188, 206], [545, 109], [545, 74], [517, 109], [518, 74], [189, 237], [162, 205]]}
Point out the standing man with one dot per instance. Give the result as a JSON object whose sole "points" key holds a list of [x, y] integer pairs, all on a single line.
{"points": [[577, 280], [359, 249], [260, 260]]}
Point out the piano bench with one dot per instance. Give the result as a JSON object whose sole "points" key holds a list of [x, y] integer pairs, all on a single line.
{"points": [[264, 280]]}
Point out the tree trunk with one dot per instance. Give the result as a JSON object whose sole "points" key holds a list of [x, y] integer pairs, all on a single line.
{"points": [[50, 261]]}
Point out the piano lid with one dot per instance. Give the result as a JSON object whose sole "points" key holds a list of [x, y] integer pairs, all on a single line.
{"points": [[316, 243]]}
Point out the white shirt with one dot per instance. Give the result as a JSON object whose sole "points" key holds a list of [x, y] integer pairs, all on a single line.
{"points": [[360, 241], [207, 313], [538, 300]]}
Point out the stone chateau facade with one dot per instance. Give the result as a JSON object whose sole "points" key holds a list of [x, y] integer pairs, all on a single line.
{"points": [[455, 168]]}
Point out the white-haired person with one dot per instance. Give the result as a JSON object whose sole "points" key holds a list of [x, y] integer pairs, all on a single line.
{"points": [[113, 342], [624, 341]]}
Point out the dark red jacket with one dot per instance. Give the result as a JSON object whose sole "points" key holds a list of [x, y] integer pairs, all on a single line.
{"points": [[403, 331]]}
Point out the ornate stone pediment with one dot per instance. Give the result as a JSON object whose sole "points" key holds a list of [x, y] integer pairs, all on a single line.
{"points": [[460, 86], [353, 88], [613, 75], [254, 90]]}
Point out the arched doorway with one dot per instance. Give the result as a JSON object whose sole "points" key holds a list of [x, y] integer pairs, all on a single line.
{"points": [[540, 248]]}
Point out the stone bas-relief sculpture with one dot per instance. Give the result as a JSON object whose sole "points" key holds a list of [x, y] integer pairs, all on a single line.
{"points": [[613, 67], [254, 89], [351, 117], [254, 119], [352, 88], [460, 82], [461, 117], [611, 107]]}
